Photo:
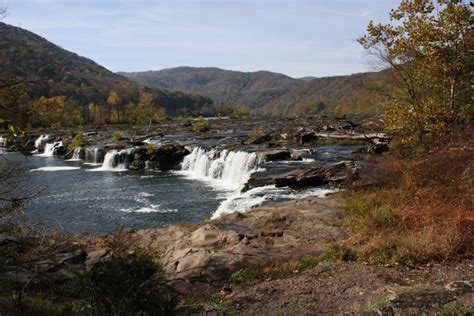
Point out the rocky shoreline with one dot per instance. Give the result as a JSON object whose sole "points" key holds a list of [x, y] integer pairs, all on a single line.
{"points": [[284, 257], [288, 247]]}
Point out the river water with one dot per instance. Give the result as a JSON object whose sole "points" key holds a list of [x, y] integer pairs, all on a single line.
{"points": [[89, 199]]}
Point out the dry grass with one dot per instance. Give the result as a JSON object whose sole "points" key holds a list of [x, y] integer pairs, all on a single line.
{"points": [[417, 210]]}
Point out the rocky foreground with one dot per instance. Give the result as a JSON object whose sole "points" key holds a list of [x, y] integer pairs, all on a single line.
{"points": [[275, 260], [284, 258]]}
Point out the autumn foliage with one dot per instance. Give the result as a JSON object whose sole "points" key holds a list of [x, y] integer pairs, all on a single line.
{"points": [[418, 209], [428, 48]]}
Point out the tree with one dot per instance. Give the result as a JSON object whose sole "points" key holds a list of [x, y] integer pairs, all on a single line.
{"points": [[146, 110], [428, 48], [15, 185], [113, 101]]}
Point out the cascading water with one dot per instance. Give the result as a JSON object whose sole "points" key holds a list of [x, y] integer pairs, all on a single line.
{"points": [[40, 140], [94, 155], [78, 154], [52, 149], [227, 169], [116, 160]]}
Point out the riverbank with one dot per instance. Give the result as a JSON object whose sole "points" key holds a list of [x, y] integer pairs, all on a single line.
{"points": [[160, 175], [285, 258], [370, 250]]}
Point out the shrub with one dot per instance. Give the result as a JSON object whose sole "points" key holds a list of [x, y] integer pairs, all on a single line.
{"points": [[150, 149], [309, 262], [77, 141], [127, 283], [256, 133], [117, 135], [201, 125], [415, 210]]}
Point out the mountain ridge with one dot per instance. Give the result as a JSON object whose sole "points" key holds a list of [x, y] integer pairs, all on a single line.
{"points": [[55, 71], [265, 92], [235, 88]]}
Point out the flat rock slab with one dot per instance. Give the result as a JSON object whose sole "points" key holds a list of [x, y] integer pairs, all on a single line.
{"points": [[263, 237], [354, 288]]}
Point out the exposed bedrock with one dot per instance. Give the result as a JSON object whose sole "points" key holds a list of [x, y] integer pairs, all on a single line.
{"points": [[313, 174], [262, 237]]}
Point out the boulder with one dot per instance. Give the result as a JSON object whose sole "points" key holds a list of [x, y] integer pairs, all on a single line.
{"points": [[136, 165], [262, 139], [152, 165], [378, 145], [317, 175], [306, 137], [276, 154], [163, 158], [298, 154]]}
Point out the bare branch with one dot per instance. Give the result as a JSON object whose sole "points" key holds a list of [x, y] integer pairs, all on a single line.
{"points": [[3, 12]]}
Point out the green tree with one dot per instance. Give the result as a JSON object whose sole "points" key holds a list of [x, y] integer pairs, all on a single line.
{"points": [[113, 102], [201, 125], [77, 141], [428, 47]]}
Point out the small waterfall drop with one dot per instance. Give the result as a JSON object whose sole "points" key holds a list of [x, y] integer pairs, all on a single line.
{"points": [[52, 149], [116, 160], [94, 154], [228, 169], [40, 140], [78, 154]]}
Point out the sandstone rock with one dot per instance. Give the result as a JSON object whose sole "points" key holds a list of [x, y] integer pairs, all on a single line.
{"points": [[276, 154], [136, 165], [262, 139], [263, 237], [317, 175], [306, 137], [297, 154], [378, 145], [152, 165]]}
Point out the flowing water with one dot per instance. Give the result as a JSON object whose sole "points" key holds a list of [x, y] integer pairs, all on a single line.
{"points": [[75, 200], [95, 193]]}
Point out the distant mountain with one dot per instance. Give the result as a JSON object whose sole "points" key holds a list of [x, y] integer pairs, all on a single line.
{"points": [[55, 71], [267, 92], [309, 78], [235, 88], [345, 94]]}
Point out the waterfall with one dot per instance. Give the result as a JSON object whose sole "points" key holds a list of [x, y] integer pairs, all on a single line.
{"points": [[40, 140], [78, 154], [228, 169], [116, 160], [52, 149], [94, 154]]}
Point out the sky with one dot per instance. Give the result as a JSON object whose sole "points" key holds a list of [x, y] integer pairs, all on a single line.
{"points": [[296, 37]]}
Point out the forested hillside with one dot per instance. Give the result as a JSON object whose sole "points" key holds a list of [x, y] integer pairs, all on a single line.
{"points": [[42, 77], [340, 94], [267, 92], [234, 88]]}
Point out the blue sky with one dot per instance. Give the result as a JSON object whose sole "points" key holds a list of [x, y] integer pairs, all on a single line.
{"points": [[295, 37]]}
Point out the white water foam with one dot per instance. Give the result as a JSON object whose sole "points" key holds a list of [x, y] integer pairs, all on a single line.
{"points": [[58, 168], [115, 160], [151, 209], [76, 155], [40, 139], [226, 169], [243, 202], [50, 149], [142, 198]]}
